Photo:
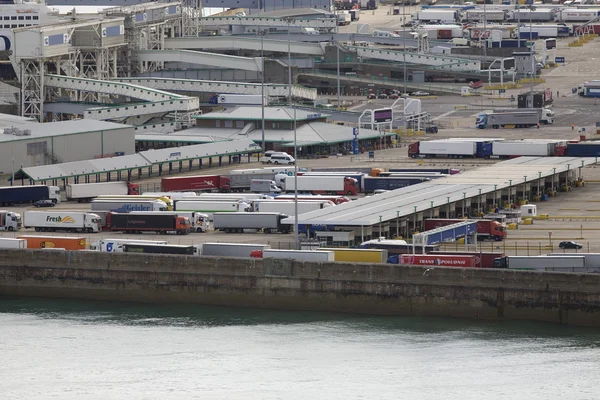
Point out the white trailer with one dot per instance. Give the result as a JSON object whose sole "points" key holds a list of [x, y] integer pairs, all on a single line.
{"points": [[71, 221], [116, 245], [125, 206], [85, 192], [244, 197], [509, 148], [10, 221], [289, 207], [10, 243], [210, 207], [442, 16], [564, 263], [274, 170], [231, 249], [172, 195], [592, 260], [576, 15], [448, 148], [321, 184], [526, 15], [480, 15], [479, 32], [300, 255], [268, 222]]}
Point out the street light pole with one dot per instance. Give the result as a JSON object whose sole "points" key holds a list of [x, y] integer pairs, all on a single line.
{"points": [[296, 234], [531, 9], [404, 43], [337, 45], [262, 90]]}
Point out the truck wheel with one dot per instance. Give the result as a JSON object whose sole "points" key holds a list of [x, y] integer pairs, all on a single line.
{"points": [[37, 229], [495, 126], [10, 229], [54, 201], [276, 162], [90, 230]]}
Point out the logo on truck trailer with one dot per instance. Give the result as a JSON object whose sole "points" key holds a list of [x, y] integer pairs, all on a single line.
{"points": [[60, 220]]}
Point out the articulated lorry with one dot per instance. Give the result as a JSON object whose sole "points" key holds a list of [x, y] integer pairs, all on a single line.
{"points": [[10, 221], [54, 242], [146, 248], [139, 223], [589, 89], [236, 222], [199, 222], [70, 221], [85, 192], [564, 263], [486, 229], [341, 185], [116, 245], [231, 249], [289, 207], [12, 195], [516, 118], [239, 182], [196, 183]]}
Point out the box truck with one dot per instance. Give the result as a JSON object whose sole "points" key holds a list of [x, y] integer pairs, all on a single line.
{"points": [[195, 183], [10, 221], [289, 207], [124, 206], [70, 221], [589, 89], [54, 242], [85, 192], [139, 223], [297, 255], [199, 222], [10, 243], [12, 195], [236, 222], [116, 245], [211, 207], [486, 229], [231, 249], [341, 185]]}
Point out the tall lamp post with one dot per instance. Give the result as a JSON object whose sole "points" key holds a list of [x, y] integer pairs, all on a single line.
{"points": [[296, 234], [531, 9], [262, 89], [337, 46], [404, 45]]}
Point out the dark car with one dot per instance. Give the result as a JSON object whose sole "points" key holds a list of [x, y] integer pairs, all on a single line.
{"points": [[570, 245], [382, 96], [44, 203]]}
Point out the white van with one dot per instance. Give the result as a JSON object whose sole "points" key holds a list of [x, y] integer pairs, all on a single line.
{"points": [[282, 158], [385, 34], [268, 157]]}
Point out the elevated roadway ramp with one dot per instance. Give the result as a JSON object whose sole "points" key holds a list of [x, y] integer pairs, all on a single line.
{"points": [[156, 101], [440, 62], [245, 43], [328, 23], [191, 85], [387, 83], [201, 58]]}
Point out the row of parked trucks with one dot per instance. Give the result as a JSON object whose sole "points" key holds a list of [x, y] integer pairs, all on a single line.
{"points": [[500, 148], [500, 14]]}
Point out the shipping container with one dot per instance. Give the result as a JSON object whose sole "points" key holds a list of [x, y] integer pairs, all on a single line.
{"points": [[237, 222], [70, 221], [139, 223], [12, 195], [231, 249], [10, 243], [196, 183], [116, 245], [54, 242], [85, 192]]}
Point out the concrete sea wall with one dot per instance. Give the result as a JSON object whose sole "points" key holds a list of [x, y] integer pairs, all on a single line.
{"points": [[282, 284]]}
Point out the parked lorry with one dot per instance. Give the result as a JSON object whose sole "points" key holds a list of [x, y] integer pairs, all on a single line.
{"points": [[236, 222], [396, 247], [146, 248], [124, 206], [341, 185], [584, 149], [289, 207], [12, 195], [297, 255], [239, 182], [70, 221], [476, 15], [576, 15], [589, 89], [199, 222], [568, 263], [10, 243], [517, 118], [486, 229], [211, 207], [130, 198], [437, 260], [592, 260], [436, 15], [443, 149], [54, 242], [511, 148], [195, 183], [482, 259], [172, 195], [529, 14], [544, 31], [116, 245], [359, 176], [370, 185], [240, 99], [264, 186], [85, 192], [139, 223], [10, 221], [231, 249]]}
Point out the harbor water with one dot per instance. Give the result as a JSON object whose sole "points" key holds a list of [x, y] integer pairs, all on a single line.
{"points": [[70, 349]]}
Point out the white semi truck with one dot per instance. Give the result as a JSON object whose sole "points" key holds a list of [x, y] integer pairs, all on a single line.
{"points": [[236, 222], [85, 192], [211, 207], [116, 245], [70, 221], [10, 221]]}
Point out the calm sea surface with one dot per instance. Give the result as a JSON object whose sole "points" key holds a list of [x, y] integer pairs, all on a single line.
{"points": [[70, 349]]}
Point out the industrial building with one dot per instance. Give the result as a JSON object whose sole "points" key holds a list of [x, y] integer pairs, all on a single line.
{"points": [[313, 134], [27, 143]]}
